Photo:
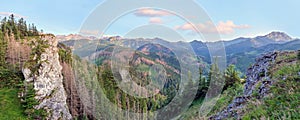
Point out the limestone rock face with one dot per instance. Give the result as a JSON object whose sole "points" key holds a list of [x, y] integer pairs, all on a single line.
{"points": [[48, 82]]}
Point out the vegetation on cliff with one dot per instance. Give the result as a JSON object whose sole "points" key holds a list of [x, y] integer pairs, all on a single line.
{"points": [[282, 100], [275, 95], [17, 34]]}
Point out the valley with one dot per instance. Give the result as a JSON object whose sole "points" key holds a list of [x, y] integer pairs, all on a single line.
{"points": [[44, 76]]}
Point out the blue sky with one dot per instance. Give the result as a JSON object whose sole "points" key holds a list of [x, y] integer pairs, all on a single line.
{"points": [[233, 18]]}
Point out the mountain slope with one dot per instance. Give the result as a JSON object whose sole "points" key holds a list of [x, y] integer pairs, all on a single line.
{"points": [[271, 90], [244, 59], [240, 52]]}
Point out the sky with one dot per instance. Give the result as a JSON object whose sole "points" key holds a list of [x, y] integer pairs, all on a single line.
{"points": [[229, 19]]}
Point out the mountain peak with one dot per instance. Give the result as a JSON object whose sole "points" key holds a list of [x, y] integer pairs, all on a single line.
{"points": [[74, 37], [278, 36]]}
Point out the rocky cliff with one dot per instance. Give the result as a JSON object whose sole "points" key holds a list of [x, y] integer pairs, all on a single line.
{"points": [[48, 81], [257, 73], [271, 90]]}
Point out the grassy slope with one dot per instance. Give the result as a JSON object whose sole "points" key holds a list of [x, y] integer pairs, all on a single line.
{"points": [[10, 105], [283, 102], [225, 98]]}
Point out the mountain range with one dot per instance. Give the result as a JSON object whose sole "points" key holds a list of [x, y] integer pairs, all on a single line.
{"points": [[240, 51]]}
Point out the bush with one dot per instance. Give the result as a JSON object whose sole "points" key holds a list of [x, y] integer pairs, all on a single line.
{"points": [[65, 55], [29, 102], [10, 78]]}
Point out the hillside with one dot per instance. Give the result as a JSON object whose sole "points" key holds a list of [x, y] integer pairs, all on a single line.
{"points": [[240, 51], [30, 73], [42, 79], [271, 90]]}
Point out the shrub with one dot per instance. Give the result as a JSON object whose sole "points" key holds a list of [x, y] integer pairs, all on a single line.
{"points": [[65, 55], [29, 102], [10, 78]]}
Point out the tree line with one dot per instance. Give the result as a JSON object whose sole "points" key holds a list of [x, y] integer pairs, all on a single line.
{"points": [[11, 27], [18, 27], [230, 77]]}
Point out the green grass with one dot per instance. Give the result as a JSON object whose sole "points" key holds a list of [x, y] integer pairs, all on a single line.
{"points": [[284, 99], [10, 105], [226, 98], [284, 103], [193, 111], [287, 57]]}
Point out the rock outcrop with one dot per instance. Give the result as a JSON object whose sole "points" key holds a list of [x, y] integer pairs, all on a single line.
{"points": [[257, 73], [48, 82]]}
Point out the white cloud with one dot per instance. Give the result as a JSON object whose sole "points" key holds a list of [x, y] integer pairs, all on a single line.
{"points": [[227, 27], [149, 12], [155, 20], [9, 13]]}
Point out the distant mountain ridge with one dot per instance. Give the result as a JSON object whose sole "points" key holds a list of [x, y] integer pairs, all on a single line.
{"points": [[240, 51], [273, 37], [74, 37]]}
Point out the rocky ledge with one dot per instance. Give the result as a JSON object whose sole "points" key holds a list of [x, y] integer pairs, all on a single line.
{"points": [[255, 74]]}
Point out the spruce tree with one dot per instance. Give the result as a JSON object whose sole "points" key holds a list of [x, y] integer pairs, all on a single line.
{"points": [[2, 49], [231, 76]]}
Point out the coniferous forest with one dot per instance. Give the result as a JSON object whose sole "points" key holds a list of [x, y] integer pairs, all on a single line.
{"points": [[47, 76]]}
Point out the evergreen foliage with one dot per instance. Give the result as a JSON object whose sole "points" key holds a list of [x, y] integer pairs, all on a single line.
{"points": [[3, 47], [38, 47], [19, 28], [29, 102], [232, 76], [12, 78], [203, 85], [65, 53]]}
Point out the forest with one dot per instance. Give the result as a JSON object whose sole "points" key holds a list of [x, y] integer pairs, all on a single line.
{"points": [[21, 46]]}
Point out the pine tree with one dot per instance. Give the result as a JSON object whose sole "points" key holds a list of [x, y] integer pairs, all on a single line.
{"points": [[4, 25], [22, 28], [3, 46], [231, 76], [215, 78], [12, 26], [203, 85], [35, 32]]}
